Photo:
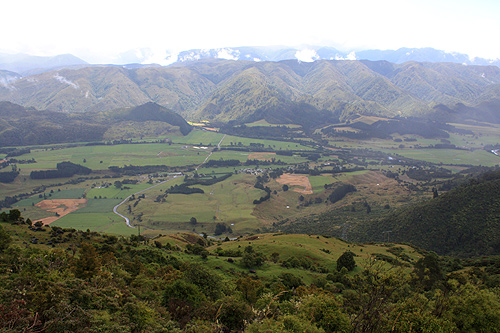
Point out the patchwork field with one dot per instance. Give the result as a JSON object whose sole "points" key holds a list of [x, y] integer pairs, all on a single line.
{"points": [[60, 207], [231, 201]]}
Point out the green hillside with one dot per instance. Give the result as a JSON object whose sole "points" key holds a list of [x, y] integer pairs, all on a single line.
{"points": [[462, 222]]}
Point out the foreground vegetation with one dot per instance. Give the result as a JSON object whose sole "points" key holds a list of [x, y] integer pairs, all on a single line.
{"points": [[56, 280]]}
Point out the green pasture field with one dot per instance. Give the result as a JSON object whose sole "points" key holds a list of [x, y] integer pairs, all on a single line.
{"points": [[98, 216], [230, 201], [318, 182], [241, 156], [197, 137], [117, 155], [483, 134], [98, 206], [276, 145], [481, 129], [113, 192], [452, 156], [100, 222]]}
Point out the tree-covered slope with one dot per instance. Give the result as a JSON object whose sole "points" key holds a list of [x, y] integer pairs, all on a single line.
{"points": [[462, 222], [149, 112]]}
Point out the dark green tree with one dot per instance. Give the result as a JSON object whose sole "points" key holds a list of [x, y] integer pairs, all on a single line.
{"points": [[251, 258], [220, 228], [5, 239], [346, 260], [88, 264]]}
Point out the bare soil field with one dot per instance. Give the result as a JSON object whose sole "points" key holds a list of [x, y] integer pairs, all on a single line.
{"points": [[369, 119], [296, 180], [61, 207], [261, 156]]}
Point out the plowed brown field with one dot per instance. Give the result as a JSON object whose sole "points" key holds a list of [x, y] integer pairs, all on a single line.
{"points": [[60, 206], [296, 180]]}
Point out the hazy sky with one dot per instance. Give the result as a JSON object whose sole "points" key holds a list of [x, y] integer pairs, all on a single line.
{"points": [[98, 31]]}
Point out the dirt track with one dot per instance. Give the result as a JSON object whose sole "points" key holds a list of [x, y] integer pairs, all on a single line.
{"points": [[297, 180], [61, 207]]}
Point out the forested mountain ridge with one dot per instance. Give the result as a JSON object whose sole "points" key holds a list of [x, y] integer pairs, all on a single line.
{"points": [[225, 90], [21, 126]]}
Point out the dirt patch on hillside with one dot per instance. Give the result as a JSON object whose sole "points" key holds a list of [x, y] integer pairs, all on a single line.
{"points": [[296, 180], [61, 207], [261, 156]]}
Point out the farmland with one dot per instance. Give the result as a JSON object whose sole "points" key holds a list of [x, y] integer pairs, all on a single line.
{"points": [[230, 202]]}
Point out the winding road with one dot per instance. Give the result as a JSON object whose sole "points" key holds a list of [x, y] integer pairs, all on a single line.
{"points": [[127, 220]]}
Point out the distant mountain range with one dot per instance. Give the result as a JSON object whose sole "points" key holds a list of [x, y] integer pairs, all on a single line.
{"points": [[25, 64], [313, 53], [287, 91]]}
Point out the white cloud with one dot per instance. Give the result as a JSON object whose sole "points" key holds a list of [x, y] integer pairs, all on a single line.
{"points": [[62, 79], [306, 55], [159, 56], [228, 54], [50, 27], [5, 81], [350, 56]]}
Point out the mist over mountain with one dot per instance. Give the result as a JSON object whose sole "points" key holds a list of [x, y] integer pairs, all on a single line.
{"points": [[312, 53]]}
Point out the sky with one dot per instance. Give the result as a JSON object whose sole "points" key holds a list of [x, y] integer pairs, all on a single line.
{"points": [[102, 31]]}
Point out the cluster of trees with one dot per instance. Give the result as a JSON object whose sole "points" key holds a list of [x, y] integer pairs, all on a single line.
{"points": [[64, 169], [13, 152], [133, 170], [206, 181], [184, 189], [221, 228], [8, 176], [340, 192], [260, 186], [221, 163], [428, 174]]}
